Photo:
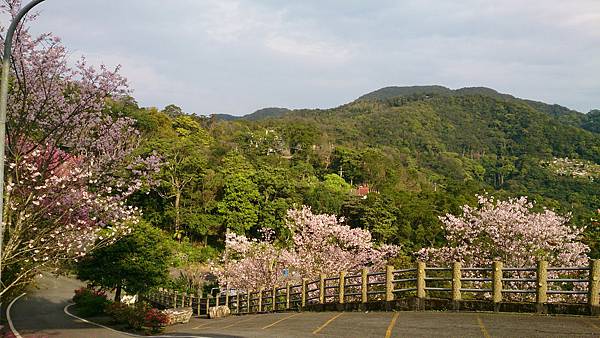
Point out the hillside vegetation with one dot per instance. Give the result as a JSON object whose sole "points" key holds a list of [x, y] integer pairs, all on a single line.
{"points": [[423, 152]]}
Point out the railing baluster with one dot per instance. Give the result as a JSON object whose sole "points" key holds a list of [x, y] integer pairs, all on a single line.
{"points": [[364, 288], [497, 282], [420, 280], [456, 283]]}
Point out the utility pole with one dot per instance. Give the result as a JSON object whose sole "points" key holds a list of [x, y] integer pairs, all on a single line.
{"points": [[3, 103]]}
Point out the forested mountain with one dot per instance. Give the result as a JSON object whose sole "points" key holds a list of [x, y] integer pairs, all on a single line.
{"points": [[422, 151]]}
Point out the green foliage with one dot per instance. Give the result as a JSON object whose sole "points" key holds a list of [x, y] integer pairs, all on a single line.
{"points": [[90, 302], [134, 316], [424, 150], [135, 263]]}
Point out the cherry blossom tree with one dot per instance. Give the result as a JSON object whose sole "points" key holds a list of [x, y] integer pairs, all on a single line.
{"points": [[509, 231], [69, 161], [512, 232], [319, 244]]}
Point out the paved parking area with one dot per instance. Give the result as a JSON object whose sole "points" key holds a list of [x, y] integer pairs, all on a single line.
{"points": [[393, 324]]}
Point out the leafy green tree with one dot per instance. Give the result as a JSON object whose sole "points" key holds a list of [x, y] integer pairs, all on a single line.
{"points": [[239, 204], [135, 263]]}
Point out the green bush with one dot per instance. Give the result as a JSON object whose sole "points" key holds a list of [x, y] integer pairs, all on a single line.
{"points": [[186, 253], [90, 302], [133, 316]]}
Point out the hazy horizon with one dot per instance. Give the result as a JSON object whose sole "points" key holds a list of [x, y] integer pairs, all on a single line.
{"points": [[234, 57]]}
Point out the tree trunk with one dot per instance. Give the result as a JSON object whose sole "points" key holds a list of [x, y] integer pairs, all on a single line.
{"points": [[118, 293], [177, 202]]}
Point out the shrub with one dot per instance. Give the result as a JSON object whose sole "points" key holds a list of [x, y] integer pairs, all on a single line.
{"points": [[117, 311], [90, 302], [156, 320]]}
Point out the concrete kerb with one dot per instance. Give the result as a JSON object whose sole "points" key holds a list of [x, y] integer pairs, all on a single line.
{"points": [[66, 311], [9, 318]]}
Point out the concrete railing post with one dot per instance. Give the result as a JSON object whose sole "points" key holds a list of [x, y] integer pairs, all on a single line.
{"points": [[542, 283], [274, 301], [183, 299], [342, 285], [207, 303], [260, 299], [249, 301], [420, 280], [497, 282], [199, 293], [321, 289], [237, 301], [191, 301], [287, 295], [389, 283], [594, 283], [227, 296], [217, 299], [364, 285], [303, 291], [175, 299], [456, 283]]}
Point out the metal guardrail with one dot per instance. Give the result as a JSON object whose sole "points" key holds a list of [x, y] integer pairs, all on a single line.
{"points": [[496, 283]]}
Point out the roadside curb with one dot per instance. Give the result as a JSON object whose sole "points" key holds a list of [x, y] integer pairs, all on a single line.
{"points": [[66, 311], [9, 318]]}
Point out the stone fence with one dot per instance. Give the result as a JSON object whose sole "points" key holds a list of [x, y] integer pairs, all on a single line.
{"points": [[541, 289]]}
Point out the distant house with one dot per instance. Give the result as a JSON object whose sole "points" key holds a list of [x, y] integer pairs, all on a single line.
{"points": [[363, 190]]}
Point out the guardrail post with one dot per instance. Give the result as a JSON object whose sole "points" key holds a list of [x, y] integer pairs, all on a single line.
{"points": [[183, 299], [287, 295], [389, 283], [542, 285], [191, 301], [420, 280], [175, 299], [497, 283], [260, 299], [341, 287], [217, 299], [227, 295], [249, 298], [364, 288], [274, 302], [207, 302], [594, 285], [303, 291], [237, 301], [322, 289], [456, 283], [199, 301]]}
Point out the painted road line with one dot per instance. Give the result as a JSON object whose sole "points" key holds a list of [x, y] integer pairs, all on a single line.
{"points": [[279, 321], [9, 318], [589, 322], [66, 311], [237, 322], [327, 323], [482, 327], [388, 332], [203, 325]]}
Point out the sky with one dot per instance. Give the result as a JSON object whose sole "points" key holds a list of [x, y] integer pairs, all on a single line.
{"points": [[237, 56]]}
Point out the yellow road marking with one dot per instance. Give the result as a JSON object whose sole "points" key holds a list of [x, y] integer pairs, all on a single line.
{"points": [[596, 327], [203, 325], [327, 323], [237, 322], [482, 327], [279, 321], [388, 332]]}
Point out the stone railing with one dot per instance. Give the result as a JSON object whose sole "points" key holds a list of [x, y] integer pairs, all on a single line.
{"points": [[541, 289]]}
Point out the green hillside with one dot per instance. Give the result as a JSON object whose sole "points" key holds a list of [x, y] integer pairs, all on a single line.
{"points": [[424, 150]]}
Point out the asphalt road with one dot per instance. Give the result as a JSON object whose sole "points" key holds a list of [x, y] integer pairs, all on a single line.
{"points": [[40, 314]]}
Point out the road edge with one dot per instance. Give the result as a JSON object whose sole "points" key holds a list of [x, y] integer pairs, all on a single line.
{"points": [[11, 326], [66, 311]]}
